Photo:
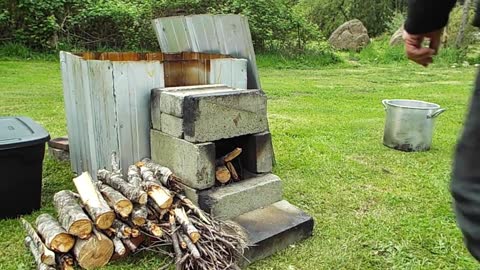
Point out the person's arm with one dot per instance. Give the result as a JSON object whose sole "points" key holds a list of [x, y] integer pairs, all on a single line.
{"points": [[425, 16], [425, 20]]}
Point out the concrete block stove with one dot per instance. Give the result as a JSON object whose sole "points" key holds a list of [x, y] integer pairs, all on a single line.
{"points": [[193, 127]]}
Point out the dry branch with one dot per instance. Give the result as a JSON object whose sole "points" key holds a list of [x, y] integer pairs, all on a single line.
{"points": [[56, 238], [71, 215], [199, 212], [153, 229], [93, 252], [37, 254], [187, 226], [116, 200], [191, 246], [45, 255], [175, 241], [121, 229], [94, 203], [163, 174], [115, 180]]}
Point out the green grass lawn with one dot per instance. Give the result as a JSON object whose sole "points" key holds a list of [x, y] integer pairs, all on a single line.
{"points": [[374, 208]]}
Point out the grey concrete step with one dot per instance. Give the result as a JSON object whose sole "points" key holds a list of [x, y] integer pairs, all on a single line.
{"points": [[273, 228], [234, 199]]}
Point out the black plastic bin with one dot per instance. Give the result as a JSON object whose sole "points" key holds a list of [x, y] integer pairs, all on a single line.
{"points": [[22, 148]]}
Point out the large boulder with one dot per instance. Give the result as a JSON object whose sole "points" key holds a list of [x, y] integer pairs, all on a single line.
{"points": [[352, 35], [397, 38]]}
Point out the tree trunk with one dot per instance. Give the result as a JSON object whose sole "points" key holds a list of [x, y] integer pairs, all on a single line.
{"points": [[115, 180], [93, 252], [463, 25], [37, 254], [117, 201], [45, 255], [71, 215], [95, 204], [56, 238]]}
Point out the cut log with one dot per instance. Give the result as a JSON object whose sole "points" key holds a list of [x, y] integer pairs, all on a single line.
{"points": [[153, 229], [233, 171], [199, 212], [95, 204], [116, 200], [122, 230], [187, 226], [159, 194], [130, 245], [222, 174], [162, 173], [133, 176], [93, 252], [56, 238], [119, 247], [71, 215], [229, 157], [65, 261], [139, 214], [115, 180], [148, 175], [46, 256], [115, 163], [191, 246], [37, 254]]}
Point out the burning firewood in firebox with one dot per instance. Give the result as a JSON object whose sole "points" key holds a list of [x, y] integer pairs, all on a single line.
{"points": [[224, 168]]}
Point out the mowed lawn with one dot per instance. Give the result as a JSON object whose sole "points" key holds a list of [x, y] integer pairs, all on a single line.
{"points": [[374, 208]]}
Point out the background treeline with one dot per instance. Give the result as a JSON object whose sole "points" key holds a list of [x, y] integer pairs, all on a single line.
{"points": [[292, 28], [125, 24]]}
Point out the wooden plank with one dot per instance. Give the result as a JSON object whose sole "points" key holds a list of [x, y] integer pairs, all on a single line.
{"points": [[133, 82]]}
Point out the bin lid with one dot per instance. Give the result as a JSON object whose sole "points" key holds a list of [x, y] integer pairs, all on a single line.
{"points": [[16, 132]]}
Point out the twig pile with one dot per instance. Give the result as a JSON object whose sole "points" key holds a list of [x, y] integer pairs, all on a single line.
{"points": [[121, 215]]}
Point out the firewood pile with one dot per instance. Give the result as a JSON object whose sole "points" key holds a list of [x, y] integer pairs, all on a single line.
{"points": [[119, 215]]}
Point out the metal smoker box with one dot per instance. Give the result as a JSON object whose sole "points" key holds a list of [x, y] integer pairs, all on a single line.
{"points": [[22, 148]]}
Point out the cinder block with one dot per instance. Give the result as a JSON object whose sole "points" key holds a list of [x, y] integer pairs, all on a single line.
{"points": [[193, 163], [259, 158], [171, 125], [211, 114], [274, 228], [155, 110], [235, 199]]}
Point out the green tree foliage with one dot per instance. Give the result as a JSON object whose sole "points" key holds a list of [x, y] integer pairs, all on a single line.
{"points": [[329, 14]]}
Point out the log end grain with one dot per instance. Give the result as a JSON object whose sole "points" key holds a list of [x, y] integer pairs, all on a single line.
{"points": [[81, 228], [62, 242], [105, 220]]}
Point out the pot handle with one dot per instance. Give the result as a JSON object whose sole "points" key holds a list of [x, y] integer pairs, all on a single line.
{"points": [[385, 103], [436, 113]]}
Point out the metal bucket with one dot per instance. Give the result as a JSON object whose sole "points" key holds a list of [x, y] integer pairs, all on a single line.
{"points": [[409, 124]]}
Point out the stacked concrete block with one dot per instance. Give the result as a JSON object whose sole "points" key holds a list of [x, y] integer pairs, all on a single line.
{"points": [[193, 126]]}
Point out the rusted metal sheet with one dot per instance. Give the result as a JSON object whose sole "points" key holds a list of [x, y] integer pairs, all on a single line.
{"points": [[107, 107], [224, 34]]}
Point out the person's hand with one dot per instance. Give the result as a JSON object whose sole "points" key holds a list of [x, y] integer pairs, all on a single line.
{"points": [[415, 50]]}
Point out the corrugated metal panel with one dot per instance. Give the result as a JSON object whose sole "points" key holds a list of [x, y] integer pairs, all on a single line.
{"points": [[107, 107], [231, 72], [200, 34], [133, 82]]}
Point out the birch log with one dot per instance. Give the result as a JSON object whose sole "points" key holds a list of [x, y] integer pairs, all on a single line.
{"points": [[46, 256], [159, 194], [71, 215], [93, 252], [117, 201], [55, 236], [162, 174], [133, 176], [139, 214], [115, 180], [153, 229], [122, 230], [95, 204], [37, 254], [187, 226], [191, 246], [119, 248]]}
